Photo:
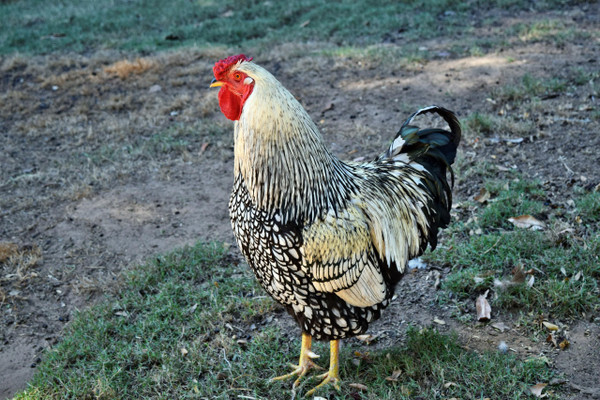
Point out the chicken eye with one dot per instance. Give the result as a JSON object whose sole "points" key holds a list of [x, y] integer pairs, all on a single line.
{"points": [[237, 76]]}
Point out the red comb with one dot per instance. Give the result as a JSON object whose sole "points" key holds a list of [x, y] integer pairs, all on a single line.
{"points": [[222, 66]]}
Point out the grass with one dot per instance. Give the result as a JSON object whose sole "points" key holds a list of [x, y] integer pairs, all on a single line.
{"points": [[33, 26], [485, 125], [533, 88], [530, 88], [488, 252], [551, 30], [184, 326]]}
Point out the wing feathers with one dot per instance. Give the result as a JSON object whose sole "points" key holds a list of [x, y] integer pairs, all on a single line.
{"points": [[341, 258], [368, 290]]}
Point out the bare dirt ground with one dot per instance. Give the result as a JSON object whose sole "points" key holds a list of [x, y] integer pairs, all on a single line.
{"points": [[105, 164]]}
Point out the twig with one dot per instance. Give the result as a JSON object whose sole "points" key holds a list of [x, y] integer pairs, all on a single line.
{"points": [[226, 360], [569, 170], [494, 245]]}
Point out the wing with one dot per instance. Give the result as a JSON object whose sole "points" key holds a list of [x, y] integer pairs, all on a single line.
{"points": [[341, 258], [360, 252]]}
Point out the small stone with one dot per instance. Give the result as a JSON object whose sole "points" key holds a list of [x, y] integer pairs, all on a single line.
{"points": [[503, 347]]}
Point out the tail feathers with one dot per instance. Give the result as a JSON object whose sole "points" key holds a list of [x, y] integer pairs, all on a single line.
{"points": [[414, 142], [435, 150]]}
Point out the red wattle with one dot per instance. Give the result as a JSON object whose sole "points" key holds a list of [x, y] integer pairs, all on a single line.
{"points": [[230, 104]]}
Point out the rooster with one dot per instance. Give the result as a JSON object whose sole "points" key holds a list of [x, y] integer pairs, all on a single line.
{"points": [[328, 239]]}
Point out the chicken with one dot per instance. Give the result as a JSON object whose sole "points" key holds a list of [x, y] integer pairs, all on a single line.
{"points": [[326, 238]]}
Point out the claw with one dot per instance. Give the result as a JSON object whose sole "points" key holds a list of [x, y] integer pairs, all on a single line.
{"points": [[327, 379], [298, 370], [305, 363]]}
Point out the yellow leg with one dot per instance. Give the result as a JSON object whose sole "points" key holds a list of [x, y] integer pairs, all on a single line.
{"points": [[333, 375], [305, 363]]}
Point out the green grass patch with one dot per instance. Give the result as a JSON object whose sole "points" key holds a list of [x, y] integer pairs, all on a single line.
{"points": [[436, 366], [480, 123], [511, 199], [181, 328], [492, 126], [588, 206], [131, 346], [531, 88], [550, 30], [487, 251], [33, 26]]}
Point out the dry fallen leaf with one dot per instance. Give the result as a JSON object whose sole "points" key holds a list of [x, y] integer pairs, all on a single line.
{"points": [[483, 196], [537, 359], [439, 321], [203, 148], [536, 390], [122, 313], [527, 222], [184, 351], [518, 274], [531, 281], [363, 356], [550, 326], [564, 344], [501, 326], [484, 310], [222, 376], [365, 338], [358, 386], [394, 376]]}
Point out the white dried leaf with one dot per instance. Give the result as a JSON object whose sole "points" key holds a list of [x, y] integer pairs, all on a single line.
{"points": [[358, 386], [395, 375], [484, 310], [501, 326], [530, 281], [536, 390], [527, 222]]}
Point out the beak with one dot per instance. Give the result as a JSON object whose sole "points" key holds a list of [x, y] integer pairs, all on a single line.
{"points": [[216, 83]]}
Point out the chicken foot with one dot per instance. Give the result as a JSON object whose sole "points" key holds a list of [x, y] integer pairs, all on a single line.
{"points": [[333, 375], [305, 363]]}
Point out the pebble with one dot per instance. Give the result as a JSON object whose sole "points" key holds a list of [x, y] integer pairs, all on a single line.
{"points": [[503, 347]]}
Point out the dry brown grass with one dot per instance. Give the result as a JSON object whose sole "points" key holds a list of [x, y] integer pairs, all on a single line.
{"points": [[124, 68], [17, 261], [7, 250]]}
